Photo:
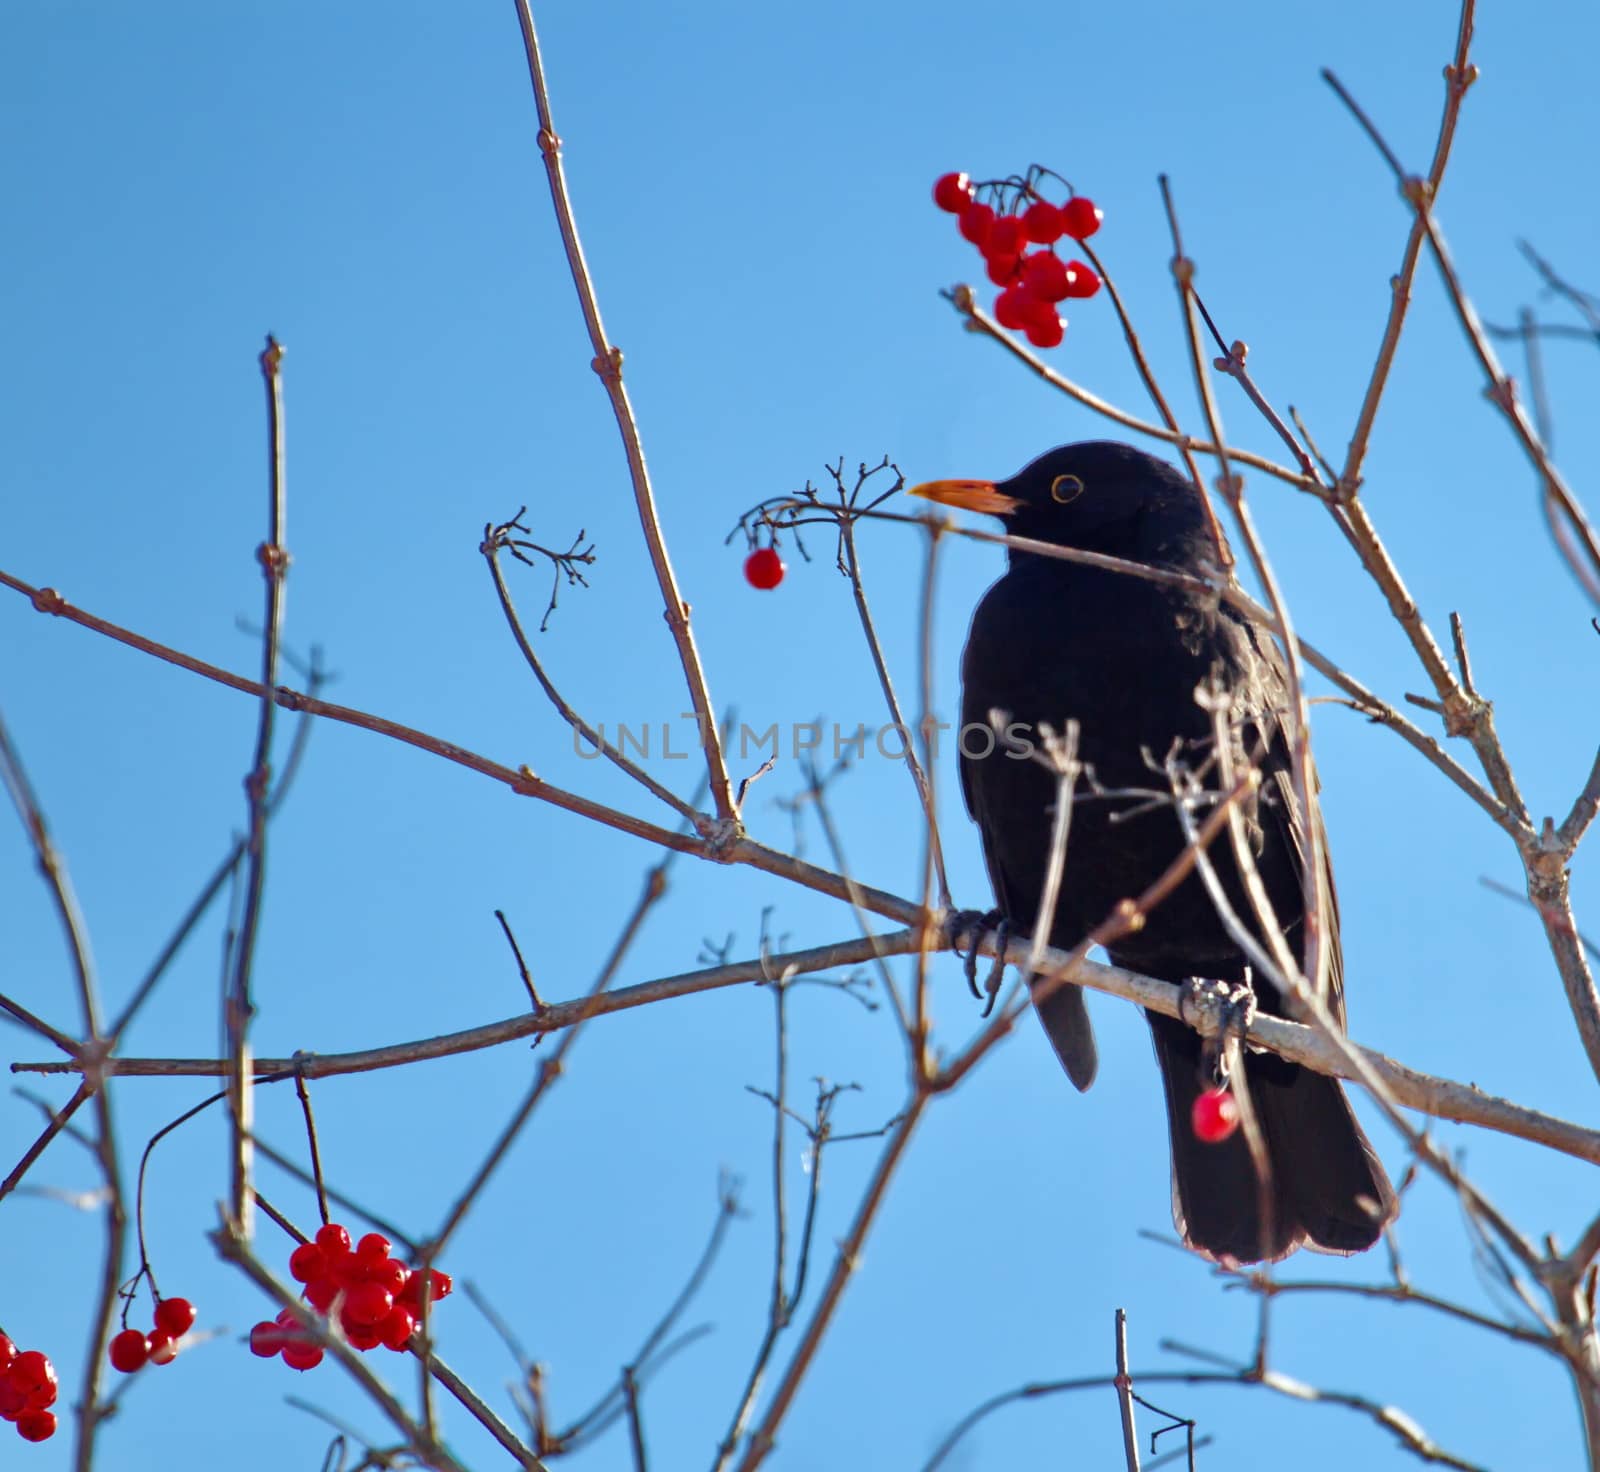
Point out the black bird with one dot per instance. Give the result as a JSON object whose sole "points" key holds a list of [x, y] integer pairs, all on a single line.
{"points": [[1123, 656]]}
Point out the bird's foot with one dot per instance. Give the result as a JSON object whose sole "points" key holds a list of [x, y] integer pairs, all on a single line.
{"points": [[966, 929], [1213, 1008], [1220, 1011]]}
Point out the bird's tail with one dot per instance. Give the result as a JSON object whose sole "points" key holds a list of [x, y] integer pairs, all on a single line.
{"points": [[1066, 1024], [1328, 1189]]}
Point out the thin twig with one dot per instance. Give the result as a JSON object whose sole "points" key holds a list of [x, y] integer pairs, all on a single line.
{"points": [[608, 364], [1124, 1383], [238, 1005]]}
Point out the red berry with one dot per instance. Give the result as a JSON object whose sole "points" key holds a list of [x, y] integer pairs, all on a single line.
{"points": [[12, 1401], [1010, 308], [36, 1425], [1002, 270], [763, 568], [1043, 223], [366, 1304], [398, 1328], [1046, 332], [363, 1336], [1081, 279], [1046, 276], [441, 1286], [976, 221], [321, 1292], [31, 1371], [1006, 237], [1081, 217], [306, 1262], [388, 1274], [952, 192], [1214, 1117], [266, 1339], [163, 1347], [333, 1239], [176, 1316], [300, 1355], [8, 1352], [372, 1248], [129, 1350]]}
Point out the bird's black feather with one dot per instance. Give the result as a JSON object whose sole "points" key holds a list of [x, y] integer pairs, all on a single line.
{"points": [[1123, 656]]}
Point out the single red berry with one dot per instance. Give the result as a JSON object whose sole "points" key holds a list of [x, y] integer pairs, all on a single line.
{"points": [[976, 221], [129, 1350], [266, 1339], [176, 1316], [763, 568], [1046, 332], [300, 1355], [1214, 1117], [952, 192], [306, 1262], [1006, 237], [36, 1425], [1081, 279], [321, 1292], [441, 1286], [1046, 276], [31, 1371], [163, 1347], [8, 1352], [398, 1328], [1081, 217], [389, 1274], [367, 1303], [1002, 270], [1010, 308], [363, 1336], [372, 1248], [333, 1239], [1043, 223]]}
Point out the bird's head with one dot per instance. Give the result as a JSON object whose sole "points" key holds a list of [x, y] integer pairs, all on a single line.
{"points": [[1098, 496]]}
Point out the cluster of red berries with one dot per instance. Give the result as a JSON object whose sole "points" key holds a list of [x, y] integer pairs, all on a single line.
{"points": [[1214, 1116], [1034, 282], [763, 568], [370, 1297], [132, 1350], [28, 1389]]}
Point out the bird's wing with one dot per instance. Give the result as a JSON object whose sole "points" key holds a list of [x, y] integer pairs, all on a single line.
{"points": [[1284, 824]]}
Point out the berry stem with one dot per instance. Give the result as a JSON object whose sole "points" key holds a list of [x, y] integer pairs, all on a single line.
{"points": [[311, 1139]]}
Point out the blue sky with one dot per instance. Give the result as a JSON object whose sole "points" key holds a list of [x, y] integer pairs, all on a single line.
{"points": [[752, 188]]}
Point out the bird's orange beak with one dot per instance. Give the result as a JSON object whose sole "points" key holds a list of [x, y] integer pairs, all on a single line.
{"points": [[969, 495]]}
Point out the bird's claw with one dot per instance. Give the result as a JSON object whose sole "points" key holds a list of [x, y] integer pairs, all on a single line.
{"points": [[1218, 1011], [1212, 1007], [966, 929]]}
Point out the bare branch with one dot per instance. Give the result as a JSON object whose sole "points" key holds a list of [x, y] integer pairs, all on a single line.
{"points": [[608, 364]]}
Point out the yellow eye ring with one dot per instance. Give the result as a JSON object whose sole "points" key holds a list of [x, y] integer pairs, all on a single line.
{"points": [[1065, 489]]}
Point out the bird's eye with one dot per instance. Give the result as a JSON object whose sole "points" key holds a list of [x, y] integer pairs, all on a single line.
{"points": [[1065, 489]]}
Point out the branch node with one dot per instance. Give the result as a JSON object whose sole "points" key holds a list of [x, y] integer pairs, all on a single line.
{"points": [[274, 559], [1417, 192]]}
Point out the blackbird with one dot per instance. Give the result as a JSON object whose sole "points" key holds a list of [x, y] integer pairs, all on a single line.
{"points": [[1125, 657]]}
